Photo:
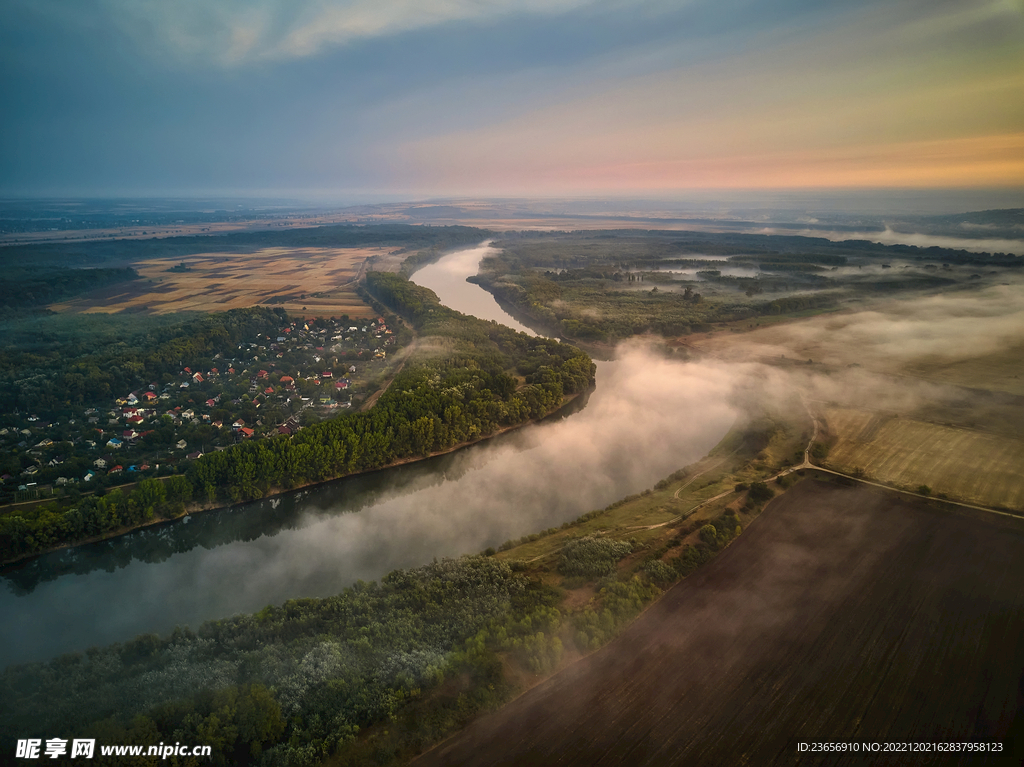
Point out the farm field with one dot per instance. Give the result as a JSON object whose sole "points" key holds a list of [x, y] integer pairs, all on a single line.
{"points": [[1000, 371], [840, 614], [309, 281], [964, 464]]}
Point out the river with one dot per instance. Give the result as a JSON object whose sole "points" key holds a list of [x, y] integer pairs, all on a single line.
{"points": [[646, 418]]}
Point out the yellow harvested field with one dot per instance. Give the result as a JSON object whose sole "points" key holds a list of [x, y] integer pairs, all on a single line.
{"points": [[309, 281], [964, 464], [1000, 371]]}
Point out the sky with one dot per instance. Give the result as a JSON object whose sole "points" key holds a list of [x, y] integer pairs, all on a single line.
{"points": [[508, 97]]}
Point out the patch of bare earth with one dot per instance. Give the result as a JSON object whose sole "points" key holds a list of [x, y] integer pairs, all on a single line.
{"points": [[843, 614]]}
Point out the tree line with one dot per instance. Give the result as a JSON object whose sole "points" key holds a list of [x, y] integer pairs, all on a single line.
{"points": [[434, 404]]}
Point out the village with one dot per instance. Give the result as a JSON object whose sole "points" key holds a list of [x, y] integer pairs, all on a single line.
{"points": [[271, 385]]}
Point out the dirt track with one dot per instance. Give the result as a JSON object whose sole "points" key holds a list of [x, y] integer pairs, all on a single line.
{"points": [[841, 614]]}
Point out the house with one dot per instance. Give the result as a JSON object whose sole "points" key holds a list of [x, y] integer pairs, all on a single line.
{"points": [[284, 429], [114, 443], [189, 414], [149, 396], [287, 380], [89, 476], [262, 374], [181, 444], [218, 424], [197, 377], [327, 374], [211, 402], [269, 390], [132, 399], [238, 424], [195, 455], [246, 433], [116, 470]]}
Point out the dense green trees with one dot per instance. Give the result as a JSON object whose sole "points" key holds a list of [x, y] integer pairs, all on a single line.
{"points": [[23, 286], [591, 557], [434, 404], [67, 365], [295, 683]]}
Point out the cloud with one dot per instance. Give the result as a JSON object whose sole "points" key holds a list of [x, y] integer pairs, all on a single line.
{"points": [[233, 32], [863, 100]]}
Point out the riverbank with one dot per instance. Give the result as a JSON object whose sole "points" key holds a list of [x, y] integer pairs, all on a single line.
{"points": [[570, 404]]}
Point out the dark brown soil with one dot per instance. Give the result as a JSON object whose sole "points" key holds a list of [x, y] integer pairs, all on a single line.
{"points": [[842, 614]]}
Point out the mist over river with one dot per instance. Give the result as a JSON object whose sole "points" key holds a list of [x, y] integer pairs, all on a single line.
{"points": [[647, 417]]}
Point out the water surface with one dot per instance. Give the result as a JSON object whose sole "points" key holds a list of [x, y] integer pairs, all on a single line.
{"points": [[646, 418]]}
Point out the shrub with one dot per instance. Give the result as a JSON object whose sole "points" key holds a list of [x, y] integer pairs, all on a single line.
{"points": [[591, 557], [760, 492], [658, 572]]}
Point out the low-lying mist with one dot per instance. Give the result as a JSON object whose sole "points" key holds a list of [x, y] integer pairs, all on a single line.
{"points": [[946, 326], [648, 417]]}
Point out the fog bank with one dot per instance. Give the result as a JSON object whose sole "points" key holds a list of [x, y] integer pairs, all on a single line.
{"points": [[648, 417]]}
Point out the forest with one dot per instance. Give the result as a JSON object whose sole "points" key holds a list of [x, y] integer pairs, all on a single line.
{"points": [[489, 378], [375, 674], [24, 287]]}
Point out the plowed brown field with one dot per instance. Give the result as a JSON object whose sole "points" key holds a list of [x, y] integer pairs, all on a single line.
{"points": [[842, 614]]}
